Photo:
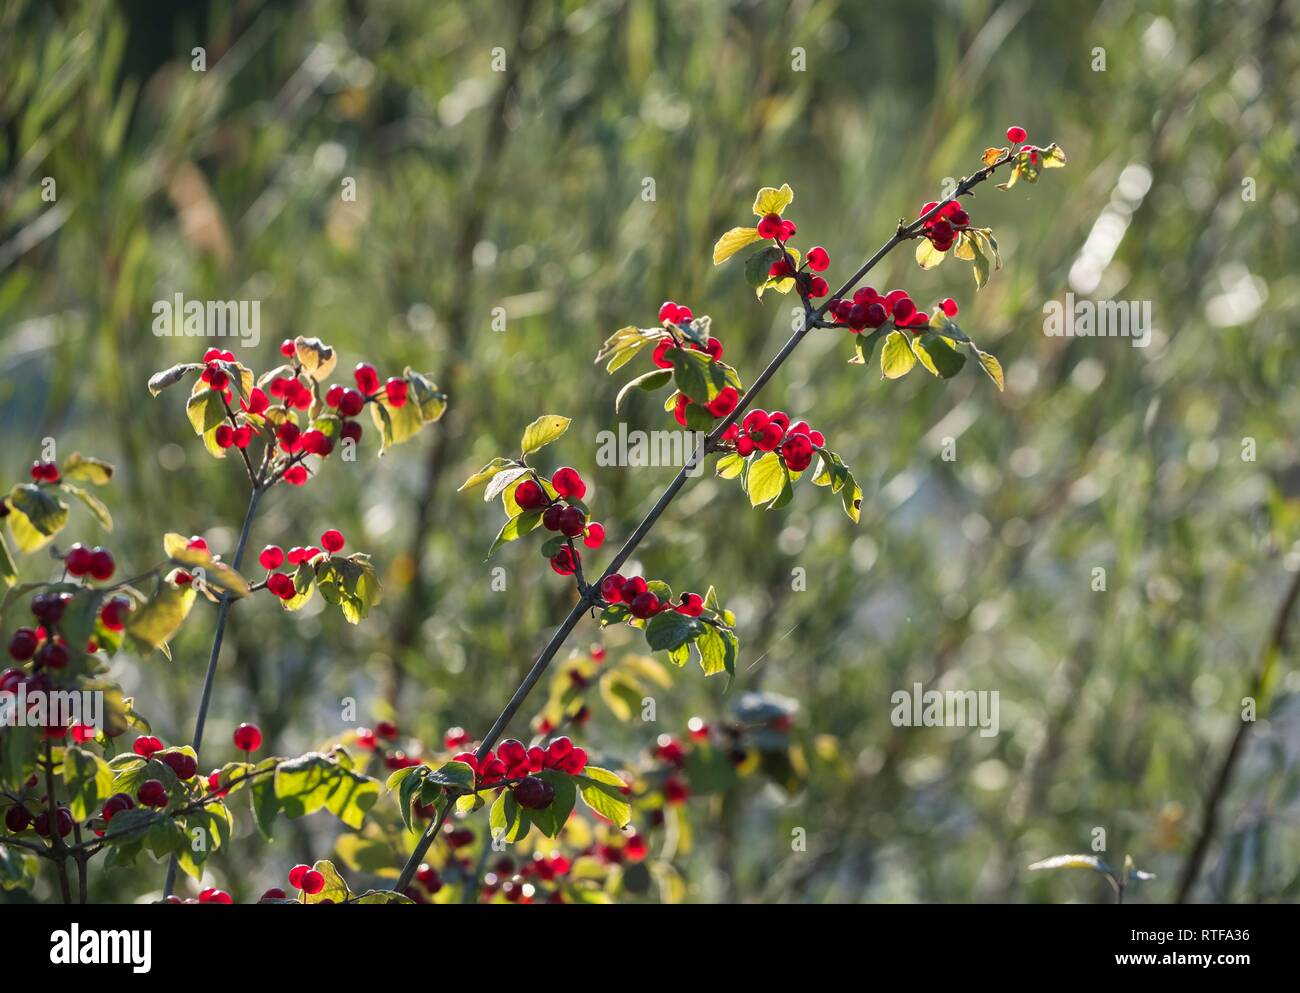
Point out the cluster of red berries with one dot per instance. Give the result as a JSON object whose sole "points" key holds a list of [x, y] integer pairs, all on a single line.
{"points": [[642, 603], [45, 472], [943, 228], [273, 556], [307, 879], [818, 260], [42, 644], [563, 514], [868, 309], [349, 402], [95, 562], [767, 432], [513, 760], [722, 404], [18, 817]]}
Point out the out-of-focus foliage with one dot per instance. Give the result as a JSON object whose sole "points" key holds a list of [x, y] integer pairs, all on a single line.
{"points": [[577, 184]]}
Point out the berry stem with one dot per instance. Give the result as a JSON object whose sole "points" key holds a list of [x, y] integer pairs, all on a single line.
{"points": [[590, 595], [58, 848], [223, 612]]}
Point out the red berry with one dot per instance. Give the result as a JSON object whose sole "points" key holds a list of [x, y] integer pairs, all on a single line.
{"points": [[272, 557], [788, 230], [644, 605], [183, 765], [781, 268], [17, 818], [295, 475], [875, 316], [692, 605], [572, 521], [225, 436], [77, 561], [818, 259], [533, 793], [146, 745], [512, 751], [281, 584], [366, 377], [386, 729], [274, 893], [101, 564], [248, 737], [668, 312], [558, 748], [454, 737], [530, 496], [904, 309], [574, 762], [565, 561], [287, 348], [632, 588], [316, 442], [659, 357], [594, 536], [152, 793], [396, 389], [296, 874], [312, 882], [332, 540], [351, 402], [22, 645], [568, 483], [817, 287], [949, 307], [769, 226], [725, 402], [351, 431], [1016, 134], [611, 588]]}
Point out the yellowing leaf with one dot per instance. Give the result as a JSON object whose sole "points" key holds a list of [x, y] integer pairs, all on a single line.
{"points": [[993, 367], [772, 201], [732, 242], [1053, 157], [991, 155], [766, 479], [543, 431], [897, 357], [927, 256]]}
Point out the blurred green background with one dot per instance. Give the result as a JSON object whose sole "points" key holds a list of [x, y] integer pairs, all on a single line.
{"points": [[522, 189]]}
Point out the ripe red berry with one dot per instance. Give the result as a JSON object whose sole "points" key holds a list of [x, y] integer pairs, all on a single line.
{"points": [[77, 561], [386, 729], [644, 605], [551, 517], [316, 442], [788, 230], [574, 762], [296, 874], [225, 436], [565, 561], [367, 378], [281, 584], [725, 402], [572, 522], [351, 431], [568, 483], [904, 309], [512, 751], [248, 737], [781, 268], [632, 588], [182, 764], [817, 287], [396, 389], [530, 496], [22, 645], [769, 226], [949, 307], [611, 588], [101, 564], [274, 893], [1016, 134], [818, 259], [295, 475], [875, 316], [152, 793], [17, 818], [312, 882], [594, 536], [557, 748], [272, 557], [287, 348], [332, 540], [533, 793], [692, 605], [350, 403], [215, 896], [146, 745]]}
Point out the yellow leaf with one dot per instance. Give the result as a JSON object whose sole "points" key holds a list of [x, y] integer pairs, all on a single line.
{"points": [[1053, 157], [897, 357], [770, 201], [732, 242], [991, 155], [927, 256], [964, 250]]}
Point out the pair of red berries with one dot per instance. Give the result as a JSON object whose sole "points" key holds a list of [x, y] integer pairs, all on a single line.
{"points": [[307, 879], [943, 228], [291, 392], [62, 822], [96, 562], [642, 603], [45, 472], [152, 793], [115, 804], [719, 407], [774, 226], [231, 437]]}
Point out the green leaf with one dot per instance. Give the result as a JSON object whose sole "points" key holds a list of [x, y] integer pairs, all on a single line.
{"points": [[507, 820], [336, 890], [93, 504], [80, 468], [46, 512], [669, 630], [896, 358], [485, 474], [89, 780], [992, 366], [8, 568], [851, 498], [550, 820], [717, 650], [382, 896], [732, 242], [350, 582], [759, 265], [315, 780], [647, 381], [502, 479], [206, 410], [731, 465], [154, 624], [939, 356], [694, 374], [542, 432], [515, 528], [602, 791], [766, 479], [458, 775]]}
